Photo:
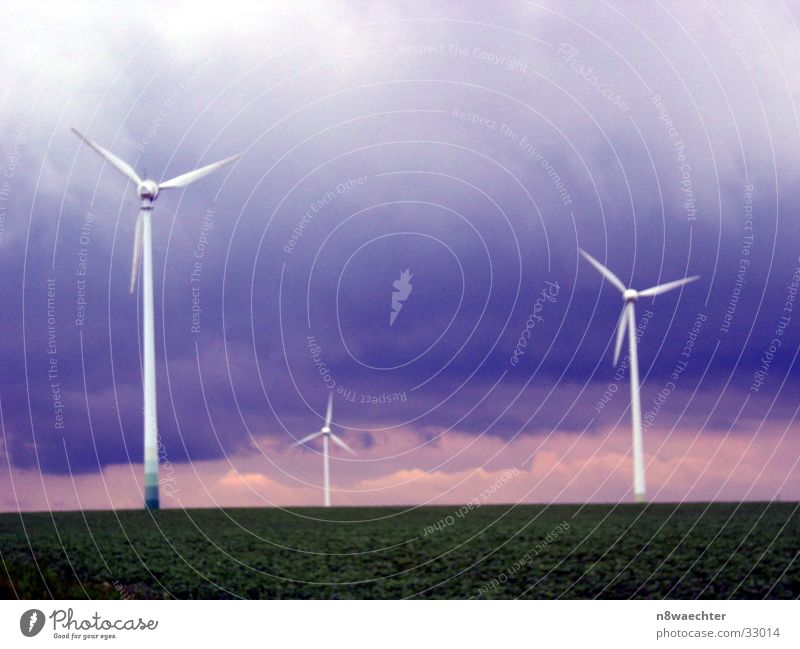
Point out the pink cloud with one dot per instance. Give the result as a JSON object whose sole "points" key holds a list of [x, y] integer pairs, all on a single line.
{"points": [[403, 468]]}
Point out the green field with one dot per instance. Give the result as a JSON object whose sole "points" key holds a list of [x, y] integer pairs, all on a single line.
{"points": [[745, 550]]}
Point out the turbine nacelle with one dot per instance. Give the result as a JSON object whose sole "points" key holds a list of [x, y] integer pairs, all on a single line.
{"points": [[148, 189], [630, 295]]}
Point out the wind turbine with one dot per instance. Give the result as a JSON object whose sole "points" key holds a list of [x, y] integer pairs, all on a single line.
{"points": [[148, 191], [325, 432], [627, 324]]}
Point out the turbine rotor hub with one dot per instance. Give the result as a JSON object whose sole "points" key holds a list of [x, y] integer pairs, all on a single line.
{"points": [[148, 189], [630, 295]]}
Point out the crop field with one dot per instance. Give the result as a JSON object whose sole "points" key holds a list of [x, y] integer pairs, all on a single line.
{"points": [[736, 550]]}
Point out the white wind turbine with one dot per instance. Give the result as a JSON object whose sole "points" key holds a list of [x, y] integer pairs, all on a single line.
{"points": [[627, 324], [148, 191], [325, 432]]}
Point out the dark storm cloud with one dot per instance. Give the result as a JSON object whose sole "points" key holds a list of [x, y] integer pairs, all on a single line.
{"points": [[477, 151]]}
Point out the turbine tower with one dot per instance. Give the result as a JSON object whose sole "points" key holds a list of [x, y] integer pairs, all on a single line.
{"points": [[148, 191], [627, 324], [325, 432]]}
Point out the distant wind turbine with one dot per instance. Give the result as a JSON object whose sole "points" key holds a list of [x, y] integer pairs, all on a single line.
{"points": [[325, 433], [143, 248], [627, 324]]}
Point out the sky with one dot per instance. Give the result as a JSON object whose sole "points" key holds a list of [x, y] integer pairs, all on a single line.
{"points": [[477, 146]]}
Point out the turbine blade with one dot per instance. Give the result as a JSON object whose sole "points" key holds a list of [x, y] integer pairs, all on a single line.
{"points": [[622, 327], [663, 288], [137, 250], [338, 440], [307, 438], [329, 413], [190, 177], [118, 163], [611, 277]]}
